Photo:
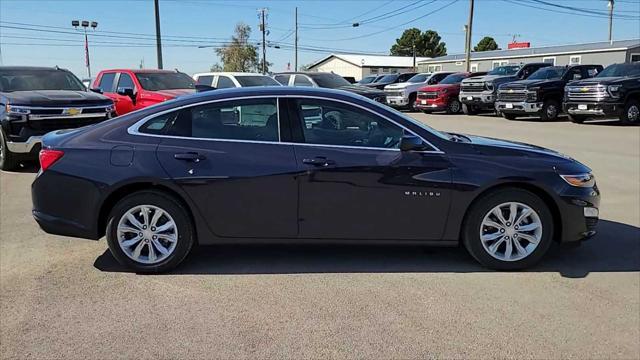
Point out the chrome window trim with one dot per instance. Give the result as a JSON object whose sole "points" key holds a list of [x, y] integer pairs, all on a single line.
{"points": [[134, 129]]}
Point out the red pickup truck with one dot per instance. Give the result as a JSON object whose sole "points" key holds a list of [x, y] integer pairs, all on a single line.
{"points": [[135, 89], [444, 95]]}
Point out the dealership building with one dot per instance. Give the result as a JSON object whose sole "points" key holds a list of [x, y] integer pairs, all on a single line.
{"points": [[359, 66], [601, 53]]}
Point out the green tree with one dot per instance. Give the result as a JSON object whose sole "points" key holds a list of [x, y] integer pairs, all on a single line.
{"points": [[486, 44], [239, 55], [427, 44], [216, 68]]}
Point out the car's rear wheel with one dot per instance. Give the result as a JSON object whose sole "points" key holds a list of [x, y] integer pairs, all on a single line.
{"points": [[578, 119], [469, 109], [149, 231], [631, 113], [508, 229], [454, 106], [7, 158], [550, 110]]}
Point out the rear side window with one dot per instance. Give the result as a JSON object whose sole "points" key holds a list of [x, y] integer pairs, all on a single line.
{"points": [[224, 83], [251, 120], [205, 80], [106, 82], [301, 80], [283, 79], [159, 124]]}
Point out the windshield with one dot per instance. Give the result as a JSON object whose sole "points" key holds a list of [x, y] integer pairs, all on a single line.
{"points": [[388, 78], [505, 70], [420, 78], [165, 81], [367, 80], [549, 72], [256, 80], [620, 70], [330, 81], [453, 79], [26, 80]]}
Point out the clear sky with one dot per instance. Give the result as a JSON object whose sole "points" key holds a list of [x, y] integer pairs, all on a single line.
{"points": [[40, 33]]}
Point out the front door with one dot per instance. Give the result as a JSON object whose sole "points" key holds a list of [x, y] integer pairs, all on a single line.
{"points": [[124, 104], [228, 158], [357, 184]]}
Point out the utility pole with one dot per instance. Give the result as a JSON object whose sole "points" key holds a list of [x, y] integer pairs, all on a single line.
{"points": [[85, 24], [467, 55], [414, 55], [296, 43], [263, 28], [610, 6], [158, 41]]}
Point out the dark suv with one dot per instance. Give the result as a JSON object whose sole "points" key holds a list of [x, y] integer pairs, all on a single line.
{"points": [[328, 81], [541, 94], [390, 79], [36, 100], [614, 92]]}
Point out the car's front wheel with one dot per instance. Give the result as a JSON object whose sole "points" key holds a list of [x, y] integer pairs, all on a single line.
{"points": [[454, 106], [631, 113], [469, 109], [7, 158], [149, 231], [508, 229]]}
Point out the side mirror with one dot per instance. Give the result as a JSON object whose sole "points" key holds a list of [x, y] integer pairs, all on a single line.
{"points": [[410, 142], [96, 90], [127, 91], [203, 88]]}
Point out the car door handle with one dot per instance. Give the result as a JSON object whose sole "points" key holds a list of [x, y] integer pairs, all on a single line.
{"points": [[189, 156], [318, 161]]}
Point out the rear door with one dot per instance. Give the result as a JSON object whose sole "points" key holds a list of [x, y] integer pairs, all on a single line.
{"points": [[355, 183], [228, 157]]}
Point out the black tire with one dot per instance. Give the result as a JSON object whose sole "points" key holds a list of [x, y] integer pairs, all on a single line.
{"points": [[454, 106], [631, 113], [578, 119], [412, 102], [169, 204], [426, 111], [509, 116], [476, 214], [7, 158], [550, 110], [469, 109]]}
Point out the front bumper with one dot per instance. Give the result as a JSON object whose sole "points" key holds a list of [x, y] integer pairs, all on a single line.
{"points": [[32, 144], [579, 209], [431, 104], [522, 107], [484, 100], [600, 109], [399, 101]]}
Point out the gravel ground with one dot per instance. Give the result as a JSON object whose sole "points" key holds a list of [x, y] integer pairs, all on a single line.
{"points": [[68, 298]]}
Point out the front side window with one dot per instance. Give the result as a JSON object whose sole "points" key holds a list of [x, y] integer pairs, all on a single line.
{"points": [[331, 81], [125, 81], [205, 80], [106, 82], [251, 120], [256, 80], [505, 70], [224, 83], [283, 79], [331, 123]]}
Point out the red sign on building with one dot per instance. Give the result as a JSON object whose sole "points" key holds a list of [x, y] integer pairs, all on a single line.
{"points": [[519, 45]]}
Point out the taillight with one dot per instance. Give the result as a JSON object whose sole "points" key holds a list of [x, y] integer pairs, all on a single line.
{"points": [[48, 157]]}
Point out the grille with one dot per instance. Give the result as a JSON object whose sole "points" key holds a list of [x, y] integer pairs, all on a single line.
{"points": [[57, 124], [427, 95], [393, 93], [588, 93], [380, 99], [515, 96], [472, 87]]}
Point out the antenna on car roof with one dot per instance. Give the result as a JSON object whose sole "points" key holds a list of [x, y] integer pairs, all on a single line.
{"points": [[57, 67]]}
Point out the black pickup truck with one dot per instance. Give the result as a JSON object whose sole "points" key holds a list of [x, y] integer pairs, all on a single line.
{"points": [[37, 100], [541, 93], [613, 93]]}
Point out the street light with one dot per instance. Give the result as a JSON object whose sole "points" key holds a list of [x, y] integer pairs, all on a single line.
{"points": [[85, 24]]}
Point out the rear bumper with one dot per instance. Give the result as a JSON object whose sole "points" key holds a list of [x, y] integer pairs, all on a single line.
{"points": [[522, 107], [57, 226], [593, 109]]}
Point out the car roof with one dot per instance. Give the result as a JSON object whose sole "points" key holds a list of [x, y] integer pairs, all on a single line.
{"points": [[253, 92], [31, 68], [142, 71], [229, 73]]}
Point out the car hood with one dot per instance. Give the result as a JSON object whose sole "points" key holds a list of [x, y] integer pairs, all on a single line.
{"points": [[440, 87], [55, 98], [362, 90], [525, 149], [600, 81], [487, 78], [532, 83], [170, 94]]}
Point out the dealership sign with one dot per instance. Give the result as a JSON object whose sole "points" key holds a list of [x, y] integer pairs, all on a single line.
{"points": [[519, 45]]}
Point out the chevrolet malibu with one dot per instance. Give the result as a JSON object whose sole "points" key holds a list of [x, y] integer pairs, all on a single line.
{"points": [[304, 165]]}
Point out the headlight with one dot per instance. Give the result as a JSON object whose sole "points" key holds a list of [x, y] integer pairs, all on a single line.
{"points": [[532, 93], [613, 90], [489, 86], [110, 108], [17, 110], [580, 180]]}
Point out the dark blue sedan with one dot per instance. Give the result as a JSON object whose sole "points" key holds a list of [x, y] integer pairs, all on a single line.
{"points": [[304, 165]]}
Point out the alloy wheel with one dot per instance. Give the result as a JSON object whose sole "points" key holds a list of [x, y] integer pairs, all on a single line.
{"points": [[147, 234], [633, 113], [454, 107], [511, 231]]}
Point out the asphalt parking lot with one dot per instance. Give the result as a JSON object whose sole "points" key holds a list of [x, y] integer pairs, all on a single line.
{"points": [[68, 298]]}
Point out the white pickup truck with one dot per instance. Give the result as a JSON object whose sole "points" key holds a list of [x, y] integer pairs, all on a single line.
{"points": [[403, 95]]}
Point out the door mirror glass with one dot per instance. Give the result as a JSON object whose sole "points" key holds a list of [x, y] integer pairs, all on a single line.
{"points": [[410, 142], [96, 90], [126, 91]]}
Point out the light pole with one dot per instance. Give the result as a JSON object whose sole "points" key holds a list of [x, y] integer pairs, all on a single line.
{"points": [[610, 6], [85, 24]]}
